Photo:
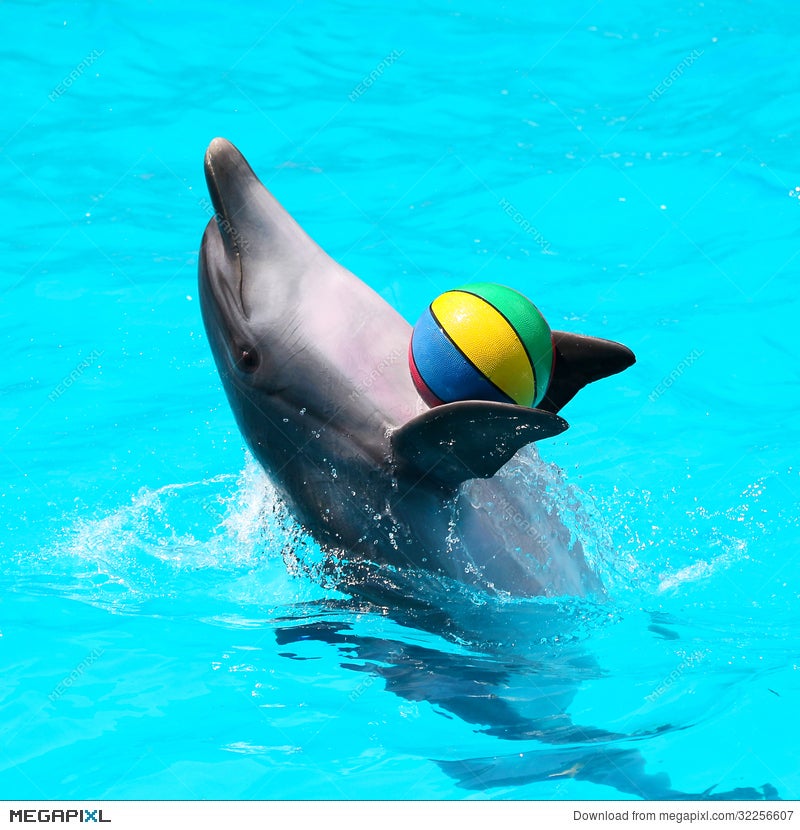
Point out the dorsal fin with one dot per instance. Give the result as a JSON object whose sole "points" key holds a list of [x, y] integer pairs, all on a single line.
{"points": [[468, 439], [580, 360]]}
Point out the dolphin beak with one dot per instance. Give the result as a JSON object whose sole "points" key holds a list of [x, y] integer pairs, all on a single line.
{"points": [[270, 254], [233, 186]]}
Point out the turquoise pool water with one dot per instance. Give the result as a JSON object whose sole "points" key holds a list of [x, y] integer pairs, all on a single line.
{"points": [[166, 632]]}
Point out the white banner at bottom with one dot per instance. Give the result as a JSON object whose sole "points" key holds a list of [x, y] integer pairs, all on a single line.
{"points": [[398, 815]]}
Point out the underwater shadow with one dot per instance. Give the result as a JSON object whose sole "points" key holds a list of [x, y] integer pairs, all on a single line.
{"points": [[513, 699]]}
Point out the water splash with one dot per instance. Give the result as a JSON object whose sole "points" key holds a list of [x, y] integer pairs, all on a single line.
{"points": [[231, 539], [553, 530], [228, 538], [669, 556]]}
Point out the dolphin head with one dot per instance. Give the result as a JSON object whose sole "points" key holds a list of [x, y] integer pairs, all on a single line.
{"points": [[252, 280], [312, 360]]}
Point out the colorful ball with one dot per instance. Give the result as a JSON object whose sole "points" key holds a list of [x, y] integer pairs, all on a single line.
{"points": [[482, 341]]}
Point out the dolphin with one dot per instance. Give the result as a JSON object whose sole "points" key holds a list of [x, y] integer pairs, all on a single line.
{"points": [[313, 362], [314, 366]]}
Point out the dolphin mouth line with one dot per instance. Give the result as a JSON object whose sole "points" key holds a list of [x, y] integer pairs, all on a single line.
{"points": [[229, 236]]}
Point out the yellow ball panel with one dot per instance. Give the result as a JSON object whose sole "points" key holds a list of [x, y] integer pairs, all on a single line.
{"points": [[488, 341]]}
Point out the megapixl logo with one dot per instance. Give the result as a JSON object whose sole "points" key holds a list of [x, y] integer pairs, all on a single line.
{"points": [[62, 816]]}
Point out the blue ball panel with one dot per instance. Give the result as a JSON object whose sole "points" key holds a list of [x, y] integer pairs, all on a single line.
{"points": [[447, 373]]}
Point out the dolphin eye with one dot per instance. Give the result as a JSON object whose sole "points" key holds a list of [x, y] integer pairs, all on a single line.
{"points": [[249, 359]]}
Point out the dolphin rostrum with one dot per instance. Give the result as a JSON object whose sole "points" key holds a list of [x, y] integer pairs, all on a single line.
{"points": [[313, 362]]}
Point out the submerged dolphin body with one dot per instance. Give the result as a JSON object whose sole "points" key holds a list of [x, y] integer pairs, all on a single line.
{"points": [[517, 702], [314, 365]]}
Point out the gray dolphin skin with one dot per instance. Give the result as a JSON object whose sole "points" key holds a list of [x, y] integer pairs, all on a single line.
{"points": [[314, 365]]}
